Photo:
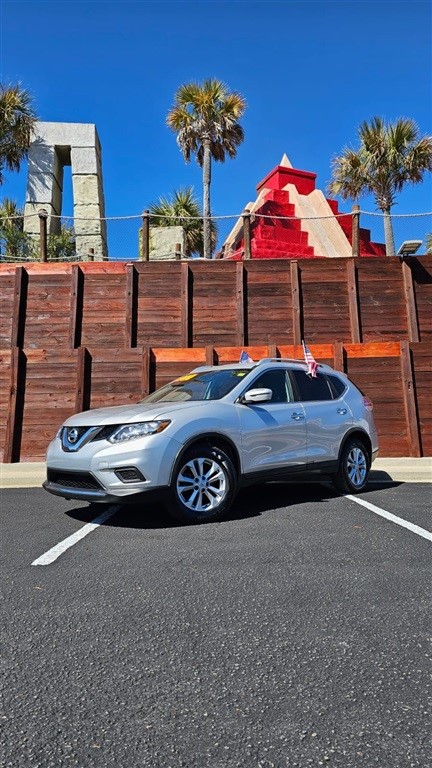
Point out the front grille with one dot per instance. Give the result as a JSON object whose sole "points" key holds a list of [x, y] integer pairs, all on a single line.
{"points": [[105, 432], [73, 479]]}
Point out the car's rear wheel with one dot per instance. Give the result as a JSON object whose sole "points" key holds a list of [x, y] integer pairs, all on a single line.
{"points": [[354, 466], [203, 486]]}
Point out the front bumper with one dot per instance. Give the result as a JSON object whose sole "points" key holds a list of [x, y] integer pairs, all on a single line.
{"points": [[93, 473], [83, 494]]}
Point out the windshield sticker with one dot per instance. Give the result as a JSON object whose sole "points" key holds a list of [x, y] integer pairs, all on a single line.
{"points": [[187, 377], [240, 373]]}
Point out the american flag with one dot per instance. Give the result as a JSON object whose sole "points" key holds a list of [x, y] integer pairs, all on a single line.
{"points": [[244, 358], [311, 362]]}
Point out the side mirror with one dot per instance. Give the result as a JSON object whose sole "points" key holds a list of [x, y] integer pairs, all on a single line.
{"points": [[257, 396]]}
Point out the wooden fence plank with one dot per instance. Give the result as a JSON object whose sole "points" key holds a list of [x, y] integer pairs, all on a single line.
{"points": [[411, 411], [339, 357], [295, 302], [351, 275], [240, 303], [15, 406], [373, 349], [19, 307], [83, 380], [131, 306], [180, 354], [145, 372], [76, 306], [185, 305], [410, 302]]}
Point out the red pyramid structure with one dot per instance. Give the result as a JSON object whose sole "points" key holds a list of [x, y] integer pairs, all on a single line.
{"points": [[313, 227]]}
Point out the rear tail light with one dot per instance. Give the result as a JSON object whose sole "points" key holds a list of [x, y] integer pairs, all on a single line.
{"points": [[368, 404]]}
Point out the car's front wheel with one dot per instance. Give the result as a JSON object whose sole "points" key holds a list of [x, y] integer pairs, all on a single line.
{"points": [[203, 486], [354, 466]]}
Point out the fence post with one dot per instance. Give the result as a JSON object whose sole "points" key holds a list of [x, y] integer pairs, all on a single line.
{"points": [[90, 255], [410, 403], [410, 300], [177, 251], [43, 218], [240, 305], [247, 234], [186, 317], [355, 237], [296, 302], [131, 305], [19, 308], [15, 406], [353, 301], [145, 239]]}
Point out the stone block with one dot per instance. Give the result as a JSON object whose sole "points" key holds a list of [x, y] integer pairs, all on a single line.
{"points": [[87, 220], [42, 158], [87, 189], [44, 188], [31, 218], [85, 160], [85, 242], [67, 134], [163, 241]]}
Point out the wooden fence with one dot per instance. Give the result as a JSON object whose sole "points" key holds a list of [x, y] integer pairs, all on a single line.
{"points": [[42, 387], [74, 337]]}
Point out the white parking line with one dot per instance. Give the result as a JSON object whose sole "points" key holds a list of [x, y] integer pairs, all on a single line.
{"points": [[58, 550], [393, 518]]}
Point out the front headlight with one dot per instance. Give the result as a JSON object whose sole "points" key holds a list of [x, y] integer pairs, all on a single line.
{"points": [[133, 431]]}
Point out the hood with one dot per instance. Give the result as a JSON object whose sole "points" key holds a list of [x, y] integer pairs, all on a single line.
{"points": [[128, 414]]}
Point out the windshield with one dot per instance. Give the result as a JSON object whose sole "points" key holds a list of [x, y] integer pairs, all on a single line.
{"points": [[206, 385]]}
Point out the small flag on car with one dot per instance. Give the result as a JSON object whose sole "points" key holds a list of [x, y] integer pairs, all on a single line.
{"points": [[244, 358], [310, 360]]}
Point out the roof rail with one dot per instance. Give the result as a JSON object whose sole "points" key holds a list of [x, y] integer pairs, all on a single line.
{"points": [[279, 360], [286, 360]]}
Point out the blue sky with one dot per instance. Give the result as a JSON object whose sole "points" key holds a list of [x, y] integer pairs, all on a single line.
{"points": [[310, 71]]}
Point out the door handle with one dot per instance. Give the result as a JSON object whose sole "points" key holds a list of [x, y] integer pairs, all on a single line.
{"points": [[342, 411], [297, 416]]}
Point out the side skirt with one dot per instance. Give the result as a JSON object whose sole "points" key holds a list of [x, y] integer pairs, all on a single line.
{"points": [[309, 473]]}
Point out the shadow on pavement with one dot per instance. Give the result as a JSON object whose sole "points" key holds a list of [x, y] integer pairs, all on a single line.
{"points": [[251, 502]]}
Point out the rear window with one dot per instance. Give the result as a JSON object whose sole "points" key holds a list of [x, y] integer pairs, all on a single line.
{"points": [[309, 389], [337, 385]]}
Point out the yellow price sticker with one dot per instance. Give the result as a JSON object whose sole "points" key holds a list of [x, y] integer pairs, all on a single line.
{"points": [[187, 377]]}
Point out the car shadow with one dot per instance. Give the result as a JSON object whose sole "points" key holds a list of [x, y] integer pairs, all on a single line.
{"points": [[250, 502]]}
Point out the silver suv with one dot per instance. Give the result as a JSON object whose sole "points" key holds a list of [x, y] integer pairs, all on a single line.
{"points": [[206, 434]]}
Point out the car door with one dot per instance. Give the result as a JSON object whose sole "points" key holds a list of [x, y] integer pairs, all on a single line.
{"points": [[327, 419], [274, 432]]}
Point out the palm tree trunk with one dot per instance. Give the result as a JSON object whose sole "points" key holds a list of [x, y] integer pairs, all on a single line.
{"points": [[388, 233], [206, 198]]}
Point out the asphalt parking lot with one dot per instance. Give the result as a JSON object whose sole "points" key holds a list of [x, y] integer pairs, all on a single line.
{"points": [[294, 633]]}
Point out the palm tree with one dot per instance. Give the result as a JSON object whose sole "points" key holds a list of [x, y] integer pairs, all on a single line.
{"points": [[15, 244], [389, 157], [62, 246], [205, 118], [183, 209], [17, 121]]}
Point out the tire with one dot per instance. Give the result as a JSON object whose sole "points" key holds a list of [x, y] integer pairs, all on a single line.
{"points": [[354, 466], [203, 486]]}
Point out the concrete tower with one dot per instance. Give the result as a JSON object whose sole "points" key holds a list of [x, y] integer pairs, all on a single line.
{"points": [[55, 146]]}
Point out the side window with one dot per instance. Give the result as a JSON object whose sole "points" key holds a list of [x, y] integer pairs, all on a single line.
{"points": [[337, 386], [275, 380], [309, 388]]}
